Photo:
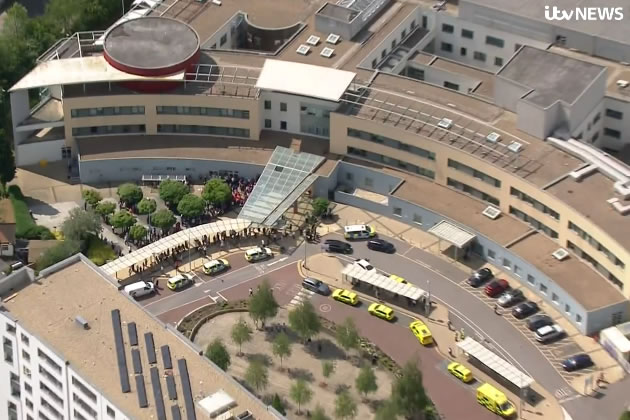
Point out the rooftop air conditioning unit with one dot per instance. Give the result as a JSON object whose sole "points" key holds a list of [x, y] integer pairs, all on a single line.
{"points": [[560, 254], [515, 147], [622, 84], [491, 212], [493, 138]]}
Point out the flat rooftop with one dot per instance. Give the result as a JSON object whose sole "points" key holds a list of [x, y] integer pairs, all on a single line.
{"points": [[589, 198], [486, 79], [586, 286], [552, 76], [47, 308]]}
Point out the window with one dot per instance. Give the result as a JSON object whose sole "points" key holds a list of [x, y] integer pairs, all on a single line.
{"points": [[107, 111], [66, 152], [424, 21], [595, 137], [383, 53], [24, 339], [497, 42], [397, 211], [462, 51], [108, 129], [567, 309], [467, 189], [596, 244], [369, 182], [203, 111], [617, 317], [517, 270], [349, 176], [84, 389], [267, 104], [48, 360], [85, 406], [7, 346], [598, 116], [611, 113], [474, 173], [579, 136], [203, 129], [10, 328], [26, 356], [29, 403], [531, 279], [417, 219], [389, 142], [578, 318], [28, 388], [413, 24], [450, 85], [374, 63], [283, 106], [110, 412], [498, 61], [223, 40], [612, 133], [479, 56], [543, 288], [554, 298], [491, 254], [283, 125], [267, 123], [533, 222], [403, 34], [393, 43], [467, 33], [386, 160], [507, 264], [446, 47], [447, 28], [12, 411], [534, 203]]}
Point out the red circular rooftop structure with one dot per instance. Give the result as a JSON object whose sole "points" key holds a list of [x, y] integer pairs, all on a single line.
{"points": [[152, 46]]}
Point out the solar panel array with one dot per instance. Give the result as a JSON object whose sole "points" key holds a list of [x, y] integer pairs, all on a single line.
{"points": [[186, 389], [133, 334], [121, 358], [142, 392], [157, 393], [137, 362], [166, 357], [148, 341]]}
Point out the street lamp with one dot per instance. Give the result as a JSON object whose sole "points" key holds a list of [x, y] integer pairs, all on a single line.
{"points": [[305, 253], [189, 246]]}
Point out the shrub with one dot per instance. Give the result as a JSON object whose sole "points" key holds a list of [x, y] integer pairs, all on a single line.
{"points": [[57, 253]]}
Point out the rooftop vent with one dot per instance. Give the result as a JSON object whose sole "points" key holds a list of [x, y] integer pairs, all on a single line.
{"points": [[313, 40], [515, 147], [332, 39], [622, 84], [493, 137], [303, 49], [82, 322], [327, 52], [560, 254], [445, 123], [491, 212]]}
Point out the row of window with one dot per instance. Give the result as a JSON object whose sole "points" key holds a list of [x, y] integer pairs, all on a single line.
{"points": [[535, 203], [394, 144], [474, 173], [84, 389], [535, 223], [108, 129], [477, 55], [616, 134], [595, 244], [472, 191], [611, 113], [375, 157], [108, 110], [206, 111], [403, 34], [467, 33], [596, 265], [203, 129], [283, 105]]}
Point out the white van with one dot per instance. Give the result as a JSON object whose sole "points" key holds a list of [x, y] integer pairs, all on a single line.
{"points": [[358, 232], [139, 289]]}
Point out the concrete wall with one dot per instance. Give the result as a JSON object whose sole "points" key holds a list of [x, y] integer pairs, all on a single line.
{"points": [[507, 93], [439, 77], [9, 364], [622, 125], [33, 153]]}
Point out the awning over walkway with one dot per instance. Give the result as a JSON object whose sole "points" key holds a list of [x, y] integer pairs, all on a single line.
{"points": [[353, 272], [286, 176], [496, 363], [172, 241], [452, 233]]}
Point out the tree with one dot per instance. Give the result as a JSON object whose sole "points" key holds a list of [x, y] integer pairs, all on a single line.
{"points": [[320, 205], [137, 232], [281, 346], [7, 160], [304, 321], [408, 395], [81, 224], [147, 206], [92, 197], [625, 416], [262, 304], [300, 393], [366, 381], [241, 333], [345, 407], [218, 354], [122, 219], [217, 192], [172, 191], [105, 208], [163, 219], [327, 368], [347, 335], [276, 402], [129, 194], [191, 206], [386, 411], [319, 414], [256, 375]]}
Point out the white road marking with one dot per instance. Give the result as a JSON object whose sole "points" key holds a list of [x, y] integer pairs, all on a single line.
{"points": [[179, 306], [207, 291], [252, 278], [277, 261]]}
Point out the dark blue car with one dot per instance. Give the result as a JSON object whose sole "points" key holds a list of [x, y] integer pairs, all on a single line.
{"points": [[577, 362]]}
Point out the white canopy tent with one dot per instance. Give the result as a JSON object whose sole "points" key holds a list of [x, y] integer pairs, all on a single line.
{"points": [[354, 273]]}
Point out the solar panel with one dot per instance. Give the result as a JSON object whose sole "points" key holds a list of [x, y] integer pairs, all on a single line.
{"points": [[157, 394], [142, 392], [121, 358], [135, 359], [175, 414], [133, 334], [148, 340], [166, 357], [170, 387], [186, 390]]}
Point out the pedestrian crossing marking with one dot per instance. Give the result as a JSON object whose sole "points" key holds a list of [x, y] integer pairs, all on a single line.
{"points": [[300, 297]]}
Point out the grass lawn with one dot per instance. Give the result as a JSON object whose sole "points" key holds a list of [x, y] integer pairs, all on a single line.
{"points": [[23, 220], [99, 252]]}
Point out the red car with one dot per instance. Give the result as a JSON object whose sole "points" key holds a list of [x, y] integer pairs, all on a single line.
{"points": [[496, 287]]}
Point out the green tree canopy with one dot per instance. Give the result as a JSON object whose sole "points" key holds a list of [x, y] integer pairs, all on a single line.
{"points": [[300, 393], [320, 205], [129, 194], [163, 219], [327, 368], [386, 411], [319, 414], [217, 192], [59, 252], [257, 375], [345, 406], [137, 232], [366, 381], [191, 206], [218, 354], [241, 333], [408, 395], [262, 304], [92, 197], [81, 224], [278, 404], [105, 208], [304, 320], [281, 347], [625, 416], [147, 206], [122, 219], [347, 334], [7, 160], [172, 191]]}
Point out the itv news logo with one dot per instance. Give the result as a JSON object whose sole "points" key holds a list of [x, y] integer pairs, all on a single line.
{"points": [[584, 13]]}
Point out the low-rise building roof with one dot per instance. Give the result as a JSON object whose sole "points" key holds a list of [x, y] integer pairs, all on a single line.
{"points": [[7, 215]]}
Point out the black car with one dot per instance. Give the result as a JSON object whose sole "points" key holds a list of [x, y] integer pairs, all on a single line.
{"points": [[539, 321], [479, 277], [577, 362], [335, 245], [381, 245], [525, 309]]}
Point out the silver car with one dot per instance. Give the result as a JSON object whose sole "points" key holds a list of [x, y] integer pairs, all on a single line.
{"points": [[511, 297], [549, 333]]}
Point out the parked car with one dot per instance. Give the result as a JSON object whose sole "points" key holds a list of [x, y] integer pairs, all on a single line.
{"points": [[549, 333], [216, 266], [577, 362], [337, 246], [496, 287], [511, 297], [525, 309], [364, 264], [180, 281], [479, 277], [538, 321], [346, 296], [422, 332], [381, 311], [257, 254], [316, 286], [460, 371], [139, 289], [381, 245]]}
